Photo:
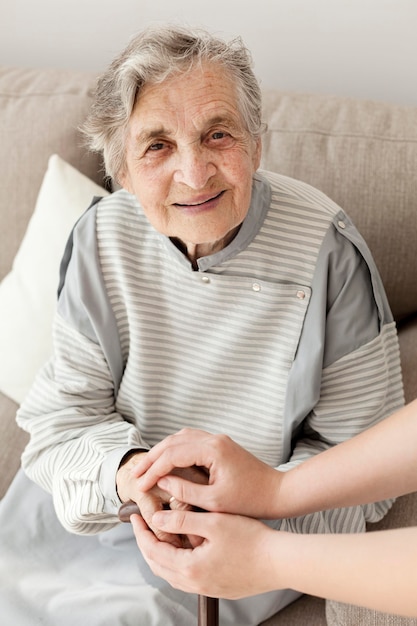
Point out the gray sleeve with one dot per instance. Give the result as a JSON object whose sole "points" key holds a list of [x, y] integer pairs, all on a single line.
{"points": [[77, 436], [82, 298], [346, 375], [343, 314]]}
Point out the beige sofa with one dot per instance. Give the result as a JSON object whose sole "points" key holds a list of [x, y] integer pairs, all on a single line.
{"points": [[362, 154]]}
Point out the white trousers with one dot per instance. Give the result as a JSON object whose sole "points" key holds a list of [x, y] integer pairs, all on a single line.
{"points": [[50, 577]]}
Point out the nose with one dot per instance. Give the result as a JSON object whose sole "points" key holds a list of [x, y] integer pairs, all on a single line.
{"points": [[194, 167]]}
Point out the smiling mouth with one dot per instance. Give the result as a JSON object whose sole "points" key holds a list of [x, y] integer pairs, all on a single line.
{"points": [[199, 204]]}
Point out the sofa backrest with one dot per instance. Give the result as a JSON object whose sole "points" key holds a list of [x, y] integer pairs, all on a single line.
{"points": [[40, 112], [363, 155]]}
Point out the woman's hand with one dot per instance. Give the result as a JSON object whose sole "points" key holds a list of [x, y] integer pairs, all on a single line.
{"points": [[156, 499], [232, 561], [238, 481], [232, 547]]}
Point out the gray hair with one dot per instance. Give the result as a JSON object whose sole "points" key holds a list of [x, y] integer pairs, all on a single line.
{"points": [[151, 57]]}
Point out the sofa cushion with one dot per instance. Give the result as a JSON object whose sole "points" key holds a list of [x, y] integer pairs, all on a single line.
{"points": [[40, 112], [306, 611], [363, 155], [13, 440], [28, 292], [338, 614]]}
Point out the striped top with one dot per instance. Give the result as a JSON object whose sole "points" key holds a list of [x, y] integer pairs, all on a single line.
{"points": [[283, 340]]}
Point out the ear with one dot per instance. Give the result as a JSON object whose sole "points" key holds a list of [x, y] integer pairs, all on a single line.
{"points": [[123, 180], [257, 153]]}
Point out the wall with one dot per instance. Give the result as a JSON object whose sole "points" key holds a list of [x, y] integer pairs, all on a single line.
{"points": [[362, 48]]}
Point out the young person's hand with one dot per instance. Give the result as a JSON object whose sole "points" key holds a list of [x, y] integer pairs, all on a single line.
{"points": [[239, 557], [238, 482], [232, 561]]}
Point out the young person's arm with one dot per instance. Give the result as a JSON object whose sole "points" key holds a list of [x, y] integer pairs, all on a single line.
{"points": [[376, 464], [241, 557], [379, 463]]}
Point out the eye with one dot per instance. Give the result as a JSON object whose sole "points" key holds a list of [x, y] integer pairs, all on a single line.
{"points": [[219, 134], [159, 145], [220, 139]]}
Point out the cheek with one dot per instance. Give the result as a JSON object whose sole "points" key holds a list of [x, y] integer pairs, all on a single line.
{"points": [[151, 186], [153, 172], [240, 175], [146, 177], [242, 164], [152, 192]]}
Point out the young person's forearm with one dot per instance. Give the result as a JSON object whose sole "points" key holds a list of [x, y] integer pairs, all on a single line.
{"points": [[379, 463], [376, 570], [240, 557]]}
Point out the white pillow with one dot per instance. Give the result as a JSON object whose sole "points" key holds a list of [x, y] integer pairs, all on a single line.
{"points": [[28, 293]]}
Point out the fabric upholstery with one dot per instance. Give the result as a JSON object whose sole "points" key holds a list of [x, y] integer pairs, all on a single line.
{"points": [[364, 156], [40, 112], [338, 614], [12, 439], [307, 610]]}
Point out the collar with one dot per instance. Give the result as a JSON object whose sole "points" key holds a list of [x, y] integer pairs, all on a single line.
{"points": [[258, 208]]}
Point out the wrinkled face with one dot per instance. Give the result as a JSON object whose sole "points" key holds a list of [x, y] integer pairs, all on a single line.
{"points": [[189, 158]]}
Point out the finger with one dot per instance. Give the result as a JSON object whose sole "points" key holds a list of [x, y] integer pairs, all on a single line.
{"points": [[140, 526], [188, 541], [176, 505], [142, 465], [164, 559], [175, 454], [148, 506], [165, 464], [148, 543], [183, 436], [185, 491], [183, 522]]}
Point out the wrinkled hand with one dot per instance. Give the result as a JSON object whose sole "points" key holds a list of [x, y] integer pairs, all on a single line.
{"points": [[238, 481], [156, 499]]}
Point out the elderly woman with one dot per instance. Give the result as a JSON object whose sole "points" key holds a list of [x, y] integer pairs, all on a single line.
{"points": [[204, 293]]}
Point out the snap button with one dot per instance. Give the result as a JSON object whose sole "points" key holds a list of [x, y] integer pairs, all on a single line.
{"points": [[256, 287], [300, 294]]}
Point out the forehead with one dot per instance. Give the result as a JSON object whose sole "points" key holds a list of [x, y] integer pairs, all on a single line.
{"points": [[201, 94]]}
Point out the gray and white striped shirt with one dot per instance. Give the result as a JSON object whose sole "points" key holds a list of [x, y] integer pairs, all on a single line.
{"points": [[284, 340]]}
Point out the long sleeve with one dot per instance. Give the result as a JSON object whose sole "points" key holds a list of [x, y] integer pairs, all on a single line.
{"points": [[360, 380], [77, 436]]}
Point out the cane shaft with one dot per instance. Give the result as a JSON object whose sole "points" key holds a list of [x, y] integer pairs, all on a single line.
{"points": [[208, 611], [208, 608]]}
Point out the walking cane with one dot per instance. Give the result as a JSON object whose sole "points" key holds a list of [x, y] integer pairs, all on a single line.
{"points": [[208, 608]]}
